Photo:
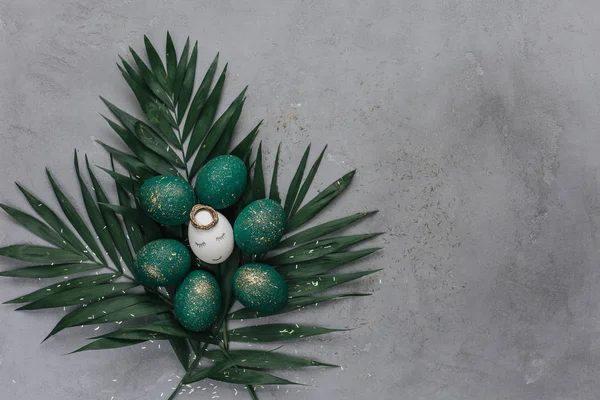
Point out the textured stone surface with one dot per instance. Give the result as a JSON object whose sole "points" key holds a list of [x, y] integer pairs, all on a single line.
{"points": [[473, 125]]}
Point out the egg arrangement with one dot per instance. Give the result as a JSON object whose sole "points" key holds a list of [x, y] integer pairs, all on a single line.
{"points": [[171, 201]]}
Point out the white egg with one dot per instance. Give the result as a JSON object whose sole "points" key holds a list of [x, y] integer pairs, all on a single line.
{"points": [[215, 245]]}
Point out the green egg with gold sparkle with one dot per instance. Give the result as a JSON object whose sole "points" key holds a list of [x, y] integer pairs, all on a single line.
{"points": [[198, 301], [162, 262], [260, 226], [167, 199], [221, 182], [260, 287]]}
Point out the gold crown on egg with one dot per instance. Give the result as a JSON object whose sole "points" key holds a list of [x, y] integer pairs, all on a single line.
{"points": [[201, 207]]}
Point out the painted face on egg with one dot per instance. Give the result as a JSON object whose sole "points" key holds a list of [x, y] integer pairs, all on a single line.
{"points": [[211, 244]]}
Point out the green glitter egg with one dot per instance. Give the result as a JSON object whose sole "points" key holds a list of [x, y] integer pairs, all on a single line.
{"points": [[221, 182], [260, 288], [167, 199], [162, 262], [198, 301], [260, 226]]}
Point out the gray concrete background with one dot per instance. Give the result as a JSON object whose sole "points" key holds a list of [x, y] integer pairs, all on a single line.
{"points": [[473, 125]]}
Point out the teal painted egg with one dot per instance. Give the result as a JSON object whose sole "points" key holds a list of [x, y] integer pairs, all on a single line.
{"points": [[167, 199], [260, 287], [221, 182], [162, 262], [198, 301], [260, 226]]}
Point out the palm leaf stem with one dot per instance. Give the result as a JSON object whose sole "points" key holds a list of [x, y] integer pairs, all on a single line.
{"points": [[189, 371]]}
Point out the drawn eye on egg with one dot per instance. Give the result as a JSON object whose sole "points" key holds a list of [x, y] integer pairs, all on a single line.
{"points": [[211, 234]]}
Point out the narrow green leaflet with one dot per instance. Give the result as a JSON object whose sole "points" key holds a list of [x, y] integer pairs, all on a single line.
{"points": [[154, 142], [307, 182], [319, 202], [40, 254], [203, 373], [171, 62], [274, 189], [155, 62], [50, 271], [226, 271], [96, 218], [103, 344], [323, 229], [181, 69], [129, 334], [249, 377], [62, 286], [92, 312], [134, 231], [215, 133], [268, 360], [139, 310], [38, 228], [112, 222], [323, 264], [318, 248], [130, 184], [131, 163], [137, 216], [277, 333], [200, 99], [154, 113], [292, 192], [151, 80], [75, 219], [54, 221], [164, 329], [305, 286], [187, 86], [157, 162], [293, 304], [79, 295], [244, 148], [257, 185], [222, 146], [206, 117]]}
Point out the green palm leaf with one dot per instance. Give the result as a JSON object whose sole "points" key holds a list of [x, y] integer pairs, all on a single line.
{"points": [[319, 202], [200, 99], [119, 240], [156, 63], [171, 56], [62, 286], [295, 303], [54, 221], [96, 218], [323, 229], [244, 148], [277, 333], [262, 359], [273, 188], [40, 254], [319, 248], [105, 344], [249, 377], [323, 264], [79, 295], [50, 271], [305, 286], [306, 185], [181, 69], [38, 228], [75, 219], [292, 192]]}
